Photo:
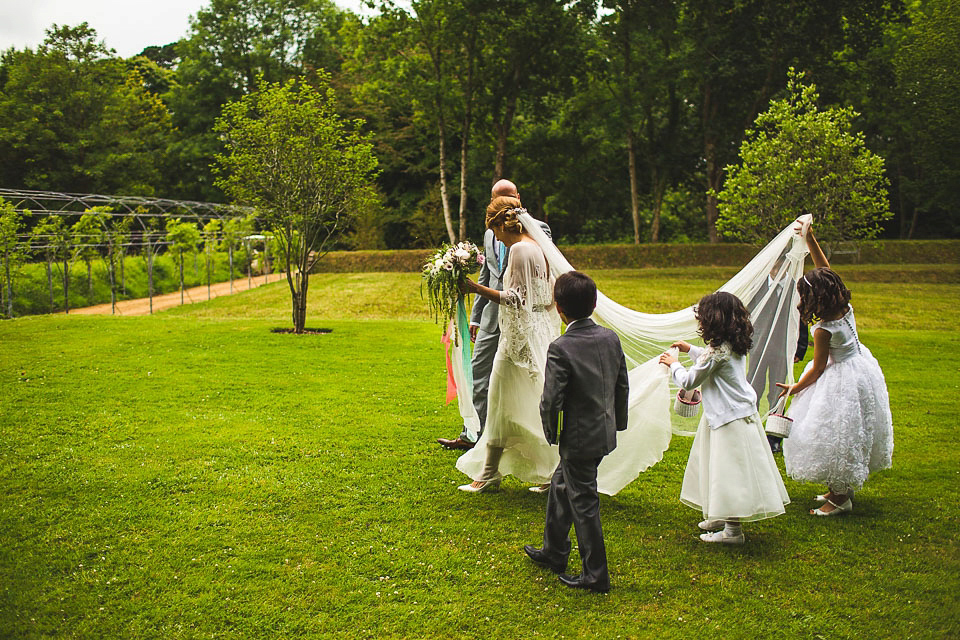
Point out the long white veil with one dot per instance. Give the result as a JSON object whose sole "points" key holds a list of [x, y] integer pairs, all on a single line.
{"points": [[766, 285]]}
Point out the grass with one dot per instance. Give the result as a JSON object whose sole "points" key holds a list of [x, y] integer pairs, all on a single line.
{"points": [[191, 474]]}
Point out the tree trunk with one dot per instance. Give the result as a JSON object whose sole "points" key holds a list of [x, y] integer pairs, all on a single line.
{"points": [[444, 197], [150, 274], [90, 279], [209, 297], [659, 188], [123, 277], [50, 282], [230, 256], [464, 142], [66, 286], [503, 135], [714, 174], [634, 189], [6, 260], [111, 269], [181, 277]]}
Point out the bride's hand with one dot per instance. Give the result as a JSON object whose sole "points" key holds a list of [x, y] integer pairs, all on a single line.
{"points": [[467, 286]]}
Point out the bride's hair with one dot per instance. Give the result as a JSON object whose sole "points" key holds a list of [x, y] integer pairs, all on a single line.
{"points": [[723, 318], [822, 293], [503, 211]]}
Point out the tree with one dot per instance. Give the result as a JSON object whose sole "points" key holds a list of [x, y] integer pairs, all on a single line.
{"points": [[929, 86], [117, 234], [11, 248], [801, 159], [211, 242], [234, 229], [291, 157], [42, 242], [88, 236], [183, 238]]}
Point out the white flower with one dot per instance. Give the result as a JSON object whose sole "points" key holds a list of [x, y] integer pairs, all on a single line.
{"points": [[462, 255]]}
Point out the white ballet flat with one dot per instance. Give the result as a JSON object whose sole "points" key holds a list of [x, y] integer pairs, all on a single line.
{"points": [[711, 525], [846, 507], [539, 488], [722, 537], [489, 485]]}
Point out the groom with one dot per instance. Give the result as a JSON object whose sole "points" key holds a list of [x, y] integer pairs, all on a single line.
{"points": [[584, 404], [484, 321]]}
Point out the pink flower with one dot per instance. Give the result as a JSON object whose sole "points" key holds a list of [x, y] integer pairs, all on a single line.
{"points": [[479, 258]]}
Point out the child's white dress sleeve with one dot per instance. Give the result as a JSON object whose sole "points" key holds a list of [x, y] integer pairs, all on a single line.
{"points": [[704, 362]]}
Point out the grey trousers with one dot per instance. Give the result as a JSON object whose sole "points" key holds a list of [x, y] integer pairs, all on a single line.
{"points": [[484, 349]]}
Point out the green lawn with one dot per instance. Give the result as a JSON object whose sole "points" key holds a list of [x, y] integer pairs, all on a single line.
{"points": [[192, 474]]}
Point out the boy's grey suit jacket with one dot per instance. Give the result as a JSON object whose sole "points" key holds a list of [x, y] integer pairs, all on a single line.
{"points": [[585, 391]]}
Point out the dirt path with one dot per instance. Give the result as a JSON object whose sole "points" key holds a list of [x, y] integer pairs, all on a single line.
{"points": [[141, 306]]}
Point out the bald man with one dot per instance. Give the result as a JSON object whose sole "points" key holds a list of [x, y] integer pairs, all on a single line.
{"points": [[484, 321]]}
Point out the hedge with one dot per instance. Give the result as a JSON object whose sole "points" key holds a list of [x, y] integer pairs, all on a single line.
{"points": [[657, 255]]}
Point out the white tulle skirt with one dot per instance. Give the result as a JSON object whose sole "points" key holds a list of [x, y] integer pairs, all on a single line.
{"points": [[731, 473], [842, 429], [513, 424]]}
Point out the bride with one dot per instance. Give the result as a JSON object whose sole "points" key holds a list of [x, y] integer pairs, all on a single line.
{"points": [[513, 442]]}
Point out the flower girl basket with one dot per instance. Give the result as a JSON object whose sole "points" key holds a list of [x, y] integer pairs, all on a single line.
{"points": [[687, 403], [777, 423]]}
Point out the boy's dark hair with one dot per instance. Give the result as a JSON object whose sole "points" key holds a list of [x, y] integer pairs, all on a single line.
{"points": [[723, 318], [576, 294], [822, 293]]}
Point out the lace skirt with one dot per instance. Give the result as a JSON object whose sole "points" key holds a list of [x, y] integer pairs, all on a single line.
{"points": [[513, 424], [732, 474], [842, 429]]}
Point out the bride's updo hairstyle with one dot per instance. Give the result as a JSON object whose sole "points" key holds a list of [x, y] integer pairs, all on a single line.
{"points": [[822, 294], [723, 318], [503, 211]]}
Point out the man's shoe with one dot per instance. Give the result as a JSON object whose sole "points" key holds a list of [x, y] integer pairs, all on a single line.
{"points": [[576, 582], [459, 443], [541, 561]]}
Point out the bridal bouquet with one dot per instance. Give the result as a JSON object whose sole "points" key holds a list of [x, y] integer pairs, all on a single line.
{"points": [[443, 274]]}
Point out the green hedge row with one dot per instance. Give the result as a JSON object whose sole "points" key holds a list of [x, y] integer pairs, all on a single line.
{"points": [[658, 255]]}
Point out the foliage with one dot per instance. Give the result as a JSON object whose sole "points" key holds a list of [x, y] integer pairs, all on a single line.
{"points": [[926, 67], [802, 159], [11, 251], [184, 237], [305, 170], [72, 119]]}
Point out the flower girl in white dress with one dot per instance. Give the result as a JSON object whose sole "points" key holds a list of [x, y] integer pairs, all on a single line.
{"points": [[731, 475], [842, 429]]}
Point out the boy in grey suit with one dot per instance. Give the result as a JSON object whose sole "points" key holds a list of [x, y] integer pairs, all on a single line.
{"points": [[584, 404]]}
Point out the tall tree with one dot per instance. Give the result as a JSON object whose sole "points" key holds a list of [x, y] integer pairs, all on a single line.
{"points": [[292, 157]]}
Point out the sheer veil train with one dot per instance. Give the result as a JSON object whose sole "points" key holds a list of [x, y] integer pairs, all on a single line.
{"points": [[766, 285]]}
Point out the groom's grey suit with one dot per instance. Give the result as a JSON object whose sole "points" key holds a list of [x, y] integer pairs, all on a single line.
{"points": [[584, 404], [486, 316]]}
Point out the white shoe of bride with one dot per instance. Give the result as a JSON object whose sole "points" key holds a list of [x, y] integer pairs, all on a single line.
{"points": [[489, 485], [539, 488]]}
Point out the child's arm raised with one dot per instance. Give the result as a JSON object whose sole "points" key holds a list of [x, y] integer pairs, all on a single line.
{"points": [[816, 253]]}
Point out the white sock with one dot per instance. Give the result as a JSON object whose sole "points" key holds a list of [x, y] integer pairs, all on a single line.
{"points": [[732, 528]]}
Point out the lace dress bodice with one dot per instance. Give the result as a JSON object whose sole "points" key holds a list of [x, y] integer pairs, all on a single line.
{"points": [[528, 320], [844, 341]]}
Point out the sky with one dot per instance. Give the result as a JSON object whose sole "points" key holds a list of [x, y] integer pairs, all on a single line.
{"points": [[125, 25]]}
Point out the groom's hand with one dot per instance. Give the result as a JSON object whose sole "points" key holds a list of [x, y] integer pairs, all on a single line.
{"points": [[473, 332]]}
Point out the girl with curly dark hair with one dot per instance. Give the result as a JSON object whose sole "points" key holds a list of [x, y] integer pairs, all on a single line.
{"points": [[842, 427], [731, 476]]}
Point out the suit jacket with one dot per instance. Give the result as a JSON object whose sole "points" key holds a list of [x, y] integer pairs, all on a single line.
{"points": [[585, 391], [486, 314], [764, 326]]}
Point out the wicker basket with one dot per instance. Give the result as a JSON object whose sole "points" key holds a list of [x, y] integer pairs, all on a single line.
{"points": [[687, 403], [779, 424]]}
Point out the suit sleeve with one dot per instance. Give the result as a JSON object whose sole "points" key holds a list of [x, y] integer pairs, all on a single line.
{"points": [[622, 392], [555, 379], [803, 341], [479, 302]]}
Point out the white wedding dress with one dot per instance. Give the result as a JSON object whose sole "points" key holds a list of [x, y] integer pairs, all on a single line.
{"points": [[528, 324], [842, 429]]}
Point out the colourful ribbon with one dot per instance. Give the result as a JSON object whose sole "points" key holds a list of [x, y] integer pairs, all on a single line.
{"points": [[458, 335]]}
